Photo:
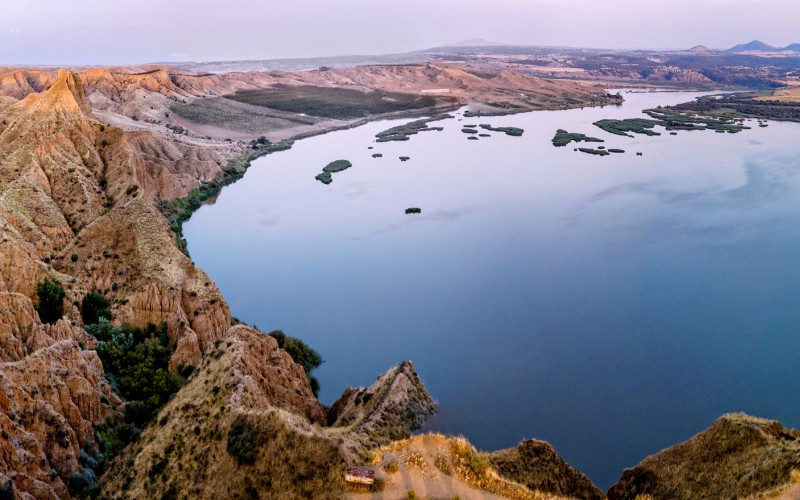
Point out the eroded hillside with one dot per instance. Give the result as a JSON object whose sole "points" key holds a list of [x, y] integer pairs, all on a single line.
{"points": [[80, 203], [68, 214]]}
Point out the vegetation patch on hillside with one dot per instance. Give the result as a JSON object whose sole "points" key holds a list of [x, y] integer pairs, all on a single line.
{"points": [[334, 102]]}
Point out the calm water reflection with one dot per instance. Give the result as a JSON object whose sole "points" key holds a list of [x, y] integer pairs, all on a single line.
{"points": [[612, 306]]}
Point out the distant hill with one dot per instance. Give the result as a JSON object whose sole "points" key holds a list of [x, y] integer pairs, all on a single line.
{"points": [[793, 47], [755, 45], [700, 49], [474, 42]]}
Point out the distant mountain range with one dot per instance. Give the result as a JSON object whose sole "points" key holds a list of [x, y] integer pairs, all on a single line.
{"points": [[759, 46], [475, 42]]}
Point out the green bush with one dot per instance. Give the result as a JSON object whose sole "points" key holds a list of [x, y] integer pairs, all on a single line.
{"points": [[93, 307], [136, 362], [51, 300], [479, 465], [243, 440], [73, 257]]}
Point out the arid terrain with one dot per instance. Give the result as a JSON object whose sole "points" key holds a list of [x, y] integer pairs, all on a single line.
{"points": [[98, 168]]}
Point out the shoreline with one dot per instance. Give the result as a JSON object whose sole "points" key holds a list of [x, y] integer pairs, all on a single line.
{"points": [[180, 210]]}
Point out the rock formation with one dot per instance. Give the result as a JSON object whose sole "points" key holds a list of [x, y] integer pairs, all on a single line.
{"points": [[67, 213], [394, 405]]}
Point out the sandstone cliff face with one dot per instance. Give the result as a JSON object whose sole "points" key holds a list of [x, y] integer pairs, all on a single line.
{"points": [[65, 188], [738, 456], [49, 404], [61, 170]]}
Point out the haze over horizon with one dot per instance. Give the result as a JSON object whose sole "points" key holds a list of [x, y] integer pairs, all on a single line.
{"points": [[92, 32]]}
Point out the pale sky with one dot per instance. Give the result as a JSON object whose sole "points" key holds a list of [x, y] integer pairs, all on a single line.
{"points": [[108, 32]]}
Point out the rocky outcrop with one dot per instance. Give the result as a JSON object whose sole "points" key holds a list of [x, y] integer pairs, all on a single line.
{"points": [[21, 333], [50, 402], [78, 205], [85, 193], [396, 404], [264, 376], [738, 456], [536, 465]]}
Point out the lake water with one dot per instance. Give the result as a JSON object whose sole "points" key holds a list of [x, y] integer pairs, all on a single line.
{"points": [[612, 306]]}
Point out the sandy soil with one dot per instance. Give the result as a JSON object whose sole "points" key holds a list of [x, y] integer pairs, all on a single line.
{"points": [[421, 477]]}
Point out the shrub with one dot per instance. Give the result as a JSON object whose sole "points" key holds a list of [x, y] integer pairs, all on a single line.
{"points": [[136, 362], [73, 257], [7, 491], [93, 307], [443, 464], [479, 465], [51, 300], [114, 436], [411, 494], [243, 440]]}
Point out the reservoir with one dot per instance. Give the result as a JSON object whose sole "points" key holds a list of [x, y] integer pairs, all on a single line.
{"points": [[612, 306]]}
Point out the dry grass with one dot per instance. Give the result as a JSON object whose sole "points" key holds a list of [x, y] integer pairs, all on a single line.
{"points": [[787, 94], [537, 465], [444, 467], [190, 449], [737, 457]]}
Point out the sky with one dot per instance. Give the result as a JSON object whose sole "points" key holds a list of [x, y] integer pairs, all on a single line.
{"points": [[111, 32]]}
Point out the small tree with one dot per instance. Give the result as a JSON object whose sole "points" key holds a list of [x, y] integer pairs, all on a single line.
{"points": [[51, 300], [94, 307]]}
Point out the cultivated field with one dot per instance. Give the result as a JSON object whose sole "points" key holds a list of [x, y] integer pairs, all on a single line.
{"points": [[238, 116], [334, 102]]}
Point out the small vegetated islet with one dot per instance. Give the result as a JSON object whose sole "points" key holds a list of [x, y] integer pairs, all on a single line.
{"points": [[562, 138], [404, 132], [335, 166], [598, 152], [512, 131]]}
